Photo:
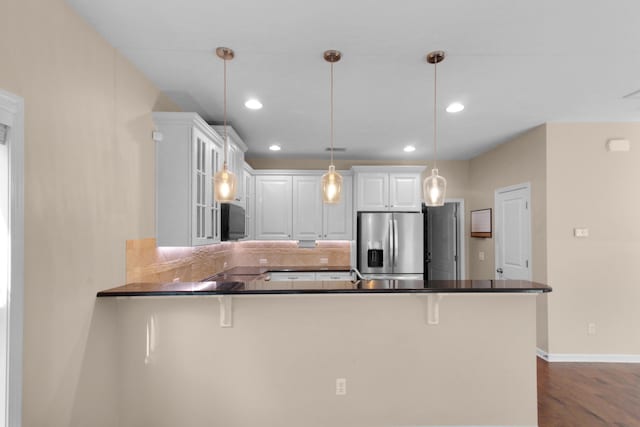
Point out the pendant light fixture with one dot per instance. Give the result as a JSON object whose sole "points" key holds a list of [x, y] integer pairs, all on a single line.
{"points": [[331, 181], [434, 186], [224, 181]]}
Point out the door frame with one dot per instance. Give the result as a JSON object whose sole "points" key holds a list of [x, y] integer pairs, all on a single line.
{"points": [[522, 186], [12, 114], [462, 258]]}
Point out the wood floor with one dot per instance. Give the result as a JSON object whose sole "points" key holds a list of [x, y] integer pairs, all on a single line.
{"points": [[588, 394]]}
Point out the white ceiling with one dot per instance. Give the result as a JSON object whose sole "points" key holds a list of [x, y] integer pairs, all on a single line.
{"points": [[514, 64]]}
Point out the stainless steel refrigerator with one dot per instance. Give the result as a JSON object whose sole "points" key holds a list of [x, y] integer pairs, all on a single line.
{"points": [[390, 245]]}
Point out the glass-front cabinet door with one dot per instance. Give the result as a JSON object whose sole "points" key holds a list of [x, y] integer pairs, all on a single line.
{"points": [[206, 212]]}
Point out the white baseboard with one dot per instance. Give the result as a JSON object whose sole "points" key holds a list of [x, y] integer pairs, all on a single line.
{"points": [[588, 358]]}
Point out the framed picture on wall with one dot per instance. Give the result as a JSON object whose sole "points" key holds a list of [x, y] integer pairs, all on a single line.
{"points": [[481, 223]]}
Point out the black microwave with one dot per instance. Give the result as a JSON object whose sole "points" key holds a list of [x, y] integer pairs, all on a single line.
{"points": [[231, 222]]}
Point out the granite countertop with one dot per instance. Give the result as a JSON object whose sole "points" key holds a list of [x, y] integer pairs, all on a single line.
{"points": [[259, 286]]}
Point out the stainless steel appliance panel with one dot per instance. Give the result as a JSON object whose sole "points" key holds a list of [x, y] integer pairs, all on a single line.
{"points": [[374, 234], [408, 243], [442, 238]]}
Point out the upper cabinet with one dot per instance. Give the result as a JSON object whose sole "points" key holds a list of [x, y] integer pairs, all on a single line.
{"points": [[289, 206], [273, 207], [390, 188], [235, 159], [188, 156]]}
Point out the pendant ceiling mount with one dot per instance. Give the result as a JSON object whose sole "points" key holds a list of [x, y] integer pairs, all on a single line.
{"points": [[225, 53], [435, 57], [332, 55]]}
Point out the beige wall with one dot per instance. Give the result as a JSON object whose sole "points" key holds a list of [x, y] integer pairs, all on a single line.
{"points": [[520, 160], [595, 279], [278, 364], [89, 184]]}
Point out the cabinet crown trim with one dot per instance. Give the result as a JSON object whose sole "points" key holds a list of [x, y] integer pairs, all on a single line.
{"points": [[389, 169], [186, 119], [292, 172]]}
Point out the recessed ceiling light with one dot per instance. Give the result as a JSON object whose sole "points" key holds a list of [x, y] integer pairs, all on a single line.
{"points": [[409, 149], [275, 147], [253, 104], [455, 107]]}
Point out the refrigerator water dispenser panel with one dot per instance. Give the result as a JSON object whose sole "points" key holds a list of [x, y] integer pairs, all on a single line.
{"points": [[375, 258]]}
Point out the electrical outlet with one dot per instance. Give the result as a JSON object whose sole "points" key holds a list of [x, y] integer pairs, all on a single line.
{"points": [[324, 260], [581, 232], [224, 264], [591, 329], [263, 260], [481, 256], [341, 386]]}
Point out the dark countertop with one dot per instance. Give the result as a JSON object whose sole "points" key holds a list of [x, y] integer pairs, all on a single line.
{"points": [[265, 287]]}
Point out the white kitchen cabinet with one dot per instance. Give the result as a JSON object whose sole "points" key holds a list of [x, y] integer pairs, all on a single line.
{"points": [[373, 191], [337, 219], [405, 192], [392, 188], [249, 201], [273, 207], [186, 160], [307, 208], [310, 218]]}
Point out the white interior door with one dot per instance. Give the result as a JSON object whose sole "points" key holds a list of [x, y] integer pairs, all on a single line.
{"points": [[513, 233]]}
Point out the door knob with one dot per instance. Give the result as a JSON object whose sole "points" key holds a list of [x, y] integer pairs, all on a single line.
{"points": [[499, 270]]}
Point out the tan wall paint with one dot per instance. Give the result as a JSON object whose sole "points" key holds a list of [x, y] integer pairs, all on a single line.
{"points": [[520, 160], [89, 184], [595, 279], [278, 364]]}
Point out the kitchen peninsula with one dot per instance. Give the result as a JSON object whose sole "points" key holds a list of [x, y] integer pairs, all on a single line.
{"points": [[327, 353]]}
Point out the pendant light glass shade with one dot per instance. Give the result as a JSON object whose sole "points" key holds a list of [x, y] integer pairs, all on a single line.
{"points": [[331, 186], [224, 181], [434, 188], [332, 180], [224, 184]]}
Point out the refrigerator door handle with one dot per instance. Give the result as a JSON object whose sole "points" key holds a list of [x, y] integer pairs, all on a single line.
{"points": [[395, 242], [391, 242]]}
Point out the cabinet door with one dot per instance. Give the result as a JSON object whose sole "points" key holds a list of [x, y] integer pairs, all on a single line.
{"points": [[404, 192], [248, 203], [338, 218], [307, 208], [204, 208], [273, 207], [373, 192], [215, 160]]}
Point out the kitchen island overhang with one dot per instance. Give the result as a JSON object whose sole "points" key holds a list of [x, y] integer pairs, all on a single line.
{"points": [[280, 359]]}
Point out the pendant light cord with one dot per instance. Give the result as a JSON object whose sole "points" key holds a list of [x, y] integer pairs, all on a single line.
{"points": [[332, 114], [435, 111], [225, 114]]}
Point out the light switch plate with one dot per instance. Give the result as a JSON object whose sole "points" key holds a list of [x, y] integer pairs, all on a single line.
{"points": [[581, 232], [481, 256]]}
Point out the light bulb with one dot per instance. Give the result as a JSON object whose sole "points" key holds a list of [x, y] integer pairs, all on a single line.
{"points": [[434, 189], [331, 186], [224, 184]]}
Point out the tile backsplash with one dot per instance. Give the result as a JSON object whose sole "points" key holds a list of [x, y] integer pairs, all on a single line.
{"points": [[148, 263]]}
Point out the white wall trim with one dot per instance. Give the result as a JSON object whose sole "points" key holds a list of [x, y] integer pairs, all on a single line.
{"points": [[12, 113], [588, 358]]}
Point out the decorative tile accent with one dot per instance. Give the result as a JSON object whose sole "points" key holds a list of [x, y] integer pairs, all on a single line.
{"points": [[148, 263]]}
